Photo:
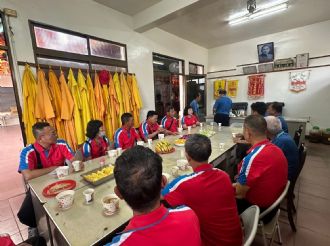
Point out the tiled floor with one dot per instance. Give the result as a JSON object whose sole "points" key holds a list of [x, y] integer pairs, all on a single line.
{"points": [[312, 195]]}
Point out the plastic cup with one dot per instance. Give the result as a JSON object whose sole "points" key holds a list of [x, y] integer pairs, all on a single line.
{"points": [[112, 153], [89, 195], [140, 143], [182, 164], [65, 199], [189, 129], [150, 143], [119, 151], [110, 203], [61, 172], [76, 166], [161, 136]]}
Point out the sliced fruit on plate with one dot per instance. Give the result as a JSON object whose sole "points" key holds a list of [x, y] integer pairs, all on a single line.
{"points": [[164, 147]]}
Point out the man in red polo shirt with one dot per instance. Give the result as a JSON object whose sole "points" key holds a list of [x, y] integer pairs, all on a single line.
{"points": [[263, 173], [138, 175], [52, 152], [169, 122], [209, 192], [150, 128], [126, 136]]}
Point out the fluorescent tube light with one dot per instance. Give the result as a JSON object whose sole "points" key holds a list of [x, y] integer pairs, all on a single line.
{"points": [[158, 62], [258, 13]]}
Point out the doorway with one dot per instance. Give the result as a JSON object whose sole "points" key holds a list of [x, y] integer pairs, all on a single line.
{"points": [[168, 83]]}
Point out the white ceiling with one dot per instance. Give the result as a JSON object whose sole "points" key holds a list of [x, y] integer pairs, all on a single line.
{"points": [[207, 24], [129, 7]]}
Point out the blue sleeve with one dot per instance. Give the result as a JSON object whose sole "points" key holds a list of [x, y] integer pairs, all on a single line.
{"points": [[24, 158], [163, 121], [116, 138], [183, 121], [86, 150]]}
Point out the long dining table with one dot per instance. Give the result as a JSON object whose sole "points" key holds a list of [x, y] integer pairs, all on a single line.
{"points": [[87, 224]]}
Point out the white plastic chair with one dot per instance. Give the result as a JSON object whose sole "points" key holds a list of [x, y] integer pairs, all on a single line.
{"points": [[250, 218], [268, 230]]}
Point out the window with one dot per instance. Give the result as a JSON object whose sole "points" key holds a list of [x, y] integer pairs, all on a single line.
{"points": [[59, 47], [196, 69]]}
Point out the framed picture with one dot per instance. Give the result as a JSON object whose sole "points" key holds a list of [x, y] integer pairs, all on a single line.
{"points": [[302, 60], [266, 52], [263, 68]]}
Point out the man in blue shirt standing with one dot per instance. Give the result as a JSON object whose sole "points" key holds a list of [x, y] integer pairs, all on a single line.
{"points": [[194, 103], [275, 109], [222, 108], [285, 142]]}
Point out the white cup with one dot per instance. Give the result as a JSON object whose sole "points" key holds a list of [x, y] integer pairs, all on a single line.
{"points": [[161, 136], [212, 123], [182, 164], [119, 151], [182, 153], [221, 146], [219, 124], [201, 125], [65, 199], [61, 172], [112, 153], [89, 195], [180, 129], [76, 166], [110, 204], [189, 129], [140, 143], [175, 171], [150, 143]]}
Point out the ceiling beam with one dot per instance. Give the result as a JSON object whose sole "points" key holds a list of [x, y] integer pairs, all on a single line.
{"points": [[160, 13]]}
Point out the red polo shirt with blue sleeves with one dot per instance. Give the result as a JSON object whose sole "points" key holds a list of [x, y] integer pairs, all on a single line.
{"points": [[170, 123], [265, 171], [55, 156], [209, 192], [146, 128], [96, 147], [161, 227], [125, 138], [189, 120]]}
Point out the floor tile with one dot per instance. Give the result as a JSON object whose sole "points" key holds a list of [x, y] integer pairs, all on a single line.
{"points": [[24, 234], [315, 189], [313, 221], [9, 226], [305, 237], [5, 210], [17, 238], [316, 204], [15, 204]]}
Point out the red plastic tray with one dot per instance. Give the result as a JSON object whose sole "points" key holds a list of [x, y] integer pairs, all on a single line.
{"points": [[51, 190]]}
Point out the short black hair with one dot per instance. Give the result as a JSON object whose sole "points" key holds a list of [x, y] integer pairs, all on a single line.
{"points": [[185, 111], [125, 118], [93, 127], [151, 113], [198, 147], [38, 127], [169, 108], [138, 175], [222, 92], [259, 107], [257, 124], [197, 94], [277, 106]]}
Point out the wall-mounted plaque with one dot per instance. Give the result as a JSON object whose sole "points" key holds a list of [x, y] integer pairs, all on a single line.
{"points": [[250, 69], [302, 60]]}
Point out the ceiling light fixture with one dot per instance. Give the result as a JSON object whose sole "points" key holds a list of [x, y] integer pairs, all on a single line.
{"points": [[259, 12], [158, 62]]}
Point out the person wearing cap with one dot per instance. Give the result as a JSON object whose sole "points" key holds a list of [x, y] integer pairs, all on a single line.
{"points": [[139, 179], [222, 107], [209, 192], [126, 136]]}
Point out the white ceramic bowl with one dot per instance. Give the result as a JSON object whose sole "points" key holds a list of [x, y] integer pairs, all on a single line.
{"points": [[140, 143], [110, 203], [182, 164], [65, 199]]}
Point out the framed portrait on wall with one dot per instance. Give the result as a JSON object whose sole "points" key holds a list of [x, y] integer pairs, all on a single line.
{"points": [[266, 52], [302, 60]]}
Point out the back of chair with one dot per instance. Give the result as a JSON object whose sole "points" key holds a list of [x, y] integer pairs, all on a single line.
{"points": [[276, 203], [302, 159], [250, 218]]}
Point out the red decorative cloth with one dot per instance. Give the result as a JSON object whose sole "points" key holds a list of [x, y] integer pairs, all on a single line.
{"points": [[256, 86], [104, 77]]}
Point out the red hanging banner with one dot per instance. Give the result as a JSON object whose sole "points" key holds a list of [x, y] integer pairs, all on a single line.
{"points": [[256, 86]]}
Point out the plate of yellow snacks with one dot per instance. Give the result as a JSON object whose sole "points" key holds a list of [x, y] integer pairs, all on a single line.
{"points": [[180, 142], [99, 175]]}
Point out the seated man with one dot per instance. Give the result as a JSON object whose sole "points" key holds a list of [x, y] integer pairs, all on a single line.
{"points": [[209, 192], [258, 108], [150, 128], [126, 136], [263, 173], [275, 109], [46, 154], [285, 142], [138, 175], [169, 122]]}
